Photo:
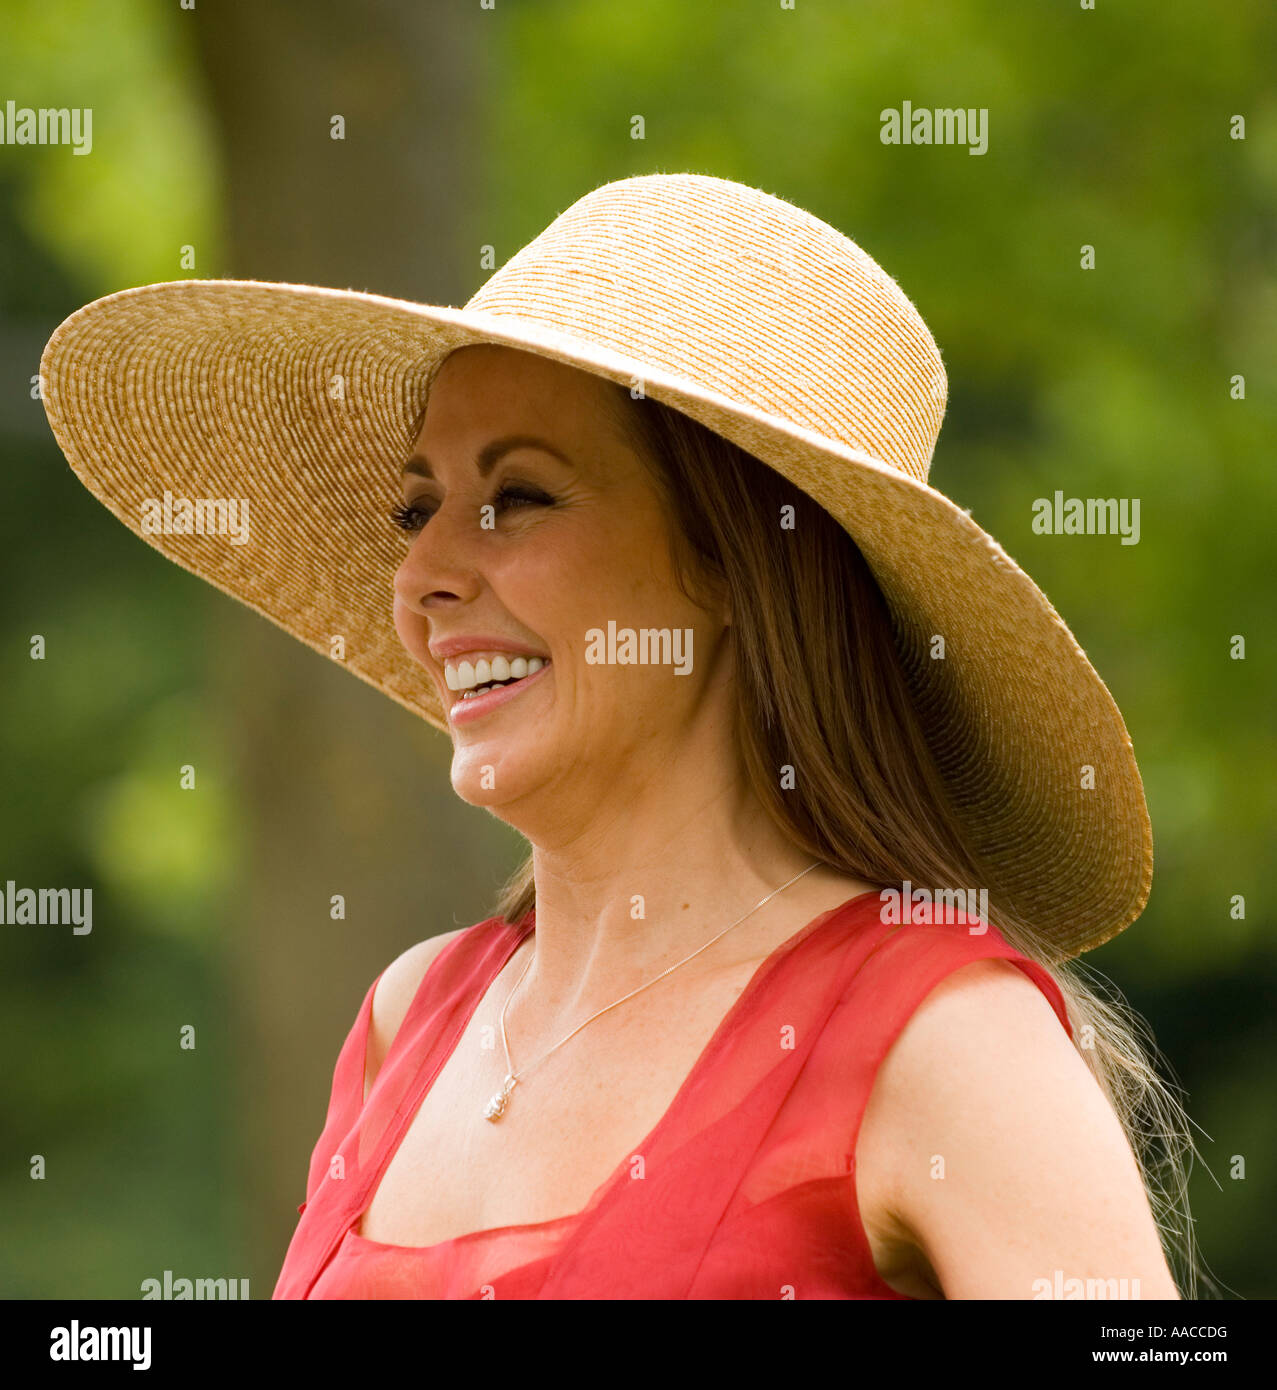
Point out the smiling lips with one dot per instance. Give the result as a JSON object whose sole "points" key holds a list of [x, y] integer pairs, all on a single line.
{"points": [[480, 701], [486, 673]]}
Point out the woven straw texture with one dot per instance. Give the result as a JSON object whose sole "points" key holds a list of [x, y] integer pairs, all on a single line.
{"points": [[748, 314]]}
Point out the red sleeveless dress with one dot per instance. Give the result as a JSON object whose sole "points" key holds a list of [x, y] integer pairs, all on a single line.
{"points": [[748, 1180]]}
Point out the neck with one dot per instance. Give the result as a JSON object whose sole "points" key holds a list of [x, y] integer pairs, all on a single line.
{"points": [[615, 909], [639, 863]]}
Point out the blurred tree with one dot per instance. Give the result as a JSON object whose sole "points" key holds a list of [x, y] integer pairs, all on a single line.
{"points": [[342, 787]]}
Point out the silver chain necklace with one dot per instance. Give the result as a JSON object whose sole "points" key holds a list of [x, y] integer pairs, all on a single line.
{"points": [[496, 1107]]}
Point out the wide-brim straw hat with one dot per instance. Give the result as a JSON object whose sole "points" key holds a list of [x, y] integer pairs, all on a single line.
{"points": [[733, 306]]}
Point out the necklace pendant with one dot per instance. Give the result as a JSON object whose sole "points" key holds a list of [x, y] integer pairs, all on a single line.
{"points": [[495, 1108]]}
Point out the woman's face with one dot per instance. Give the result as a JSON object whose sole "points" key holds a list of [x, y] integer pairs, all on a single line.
{"points": [[526, 551]]}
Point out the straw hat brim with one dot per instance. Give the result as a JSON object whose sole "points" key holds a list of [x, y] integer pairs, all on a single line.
{"points": [[303, 400]]}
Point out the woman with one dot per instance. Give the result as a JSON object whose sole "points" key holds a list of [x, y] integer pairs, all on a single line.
{"points": [[820, 792]]}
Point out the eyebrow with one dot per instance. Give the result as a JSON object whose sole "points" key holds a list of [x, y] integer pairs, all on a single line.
{"points": [[491, 454]]}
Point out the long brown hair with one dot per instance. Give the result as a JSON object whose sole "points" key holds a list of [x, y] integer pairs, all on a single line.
{"points": [[821, 690]]}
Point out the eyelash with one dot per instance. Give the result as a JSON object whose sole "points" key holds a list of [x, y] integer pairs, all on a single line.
{"points": [[412, 519]]}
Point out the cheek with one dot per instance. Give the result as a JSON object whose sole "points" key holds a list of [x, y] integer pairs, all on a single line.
{"points": [[550, 587], [625, 569], [587, 573]]}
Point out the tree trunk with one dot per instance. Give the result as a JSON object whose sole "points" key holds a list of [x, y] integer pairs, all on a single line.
{"points": [[342, 791]]}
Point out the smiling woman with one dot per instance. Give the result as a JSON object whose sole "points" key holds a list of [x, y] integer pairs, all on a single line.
{"points": [[699, 1050]]}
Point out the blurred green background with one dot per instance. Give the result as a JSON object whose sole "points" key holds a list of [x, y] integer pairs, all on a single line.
{"points": [[468, 126]]}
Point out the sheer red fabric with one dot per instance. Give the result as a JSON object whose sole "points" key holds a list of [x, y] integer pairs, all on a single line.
{"points": [[748, 1188]]}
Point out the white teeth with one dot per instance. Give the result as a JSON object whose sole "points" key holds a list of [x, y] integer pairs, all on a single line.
{"points": [[476, 678]]}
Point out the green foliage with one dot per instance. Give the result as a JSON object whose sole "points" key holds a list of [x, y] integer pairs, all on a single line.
{"points": [[120, 215]]}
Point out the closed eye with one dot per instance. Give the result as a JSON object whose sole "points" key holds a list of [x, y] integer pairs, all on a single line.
{"points": [[413, 518]]}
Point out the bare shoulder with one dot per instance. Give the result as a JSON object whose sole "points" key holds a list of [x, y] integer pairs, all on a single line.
{"points": [[394, 993], [983, 1024], [902, 1111], [993, 1158]]}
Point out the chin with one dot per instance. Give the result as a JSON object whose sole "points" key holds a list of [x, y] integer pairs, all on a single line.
{"points": [[483, 777]]}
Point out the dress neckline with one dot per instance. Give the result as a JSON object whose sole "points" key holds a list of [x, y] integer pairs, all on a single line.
{"points": [[518, 935]]}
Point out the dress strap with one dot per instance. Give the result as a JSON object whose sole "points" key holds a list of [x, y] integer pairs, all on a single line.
{"points": [[359, 1136]]}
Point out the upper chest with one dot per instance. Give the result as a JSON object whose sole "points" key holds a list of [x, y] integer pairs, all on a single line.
{"points": [[578, 1113], [578, 1118]]}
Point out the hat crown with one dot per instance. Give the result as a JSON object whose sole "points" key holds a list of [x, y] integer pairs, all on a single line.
{"points": [[744, 294]]}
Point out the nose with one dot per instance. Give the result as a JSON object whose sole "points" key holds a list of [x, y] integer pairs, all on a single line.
{"points": [[440, 567]]}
